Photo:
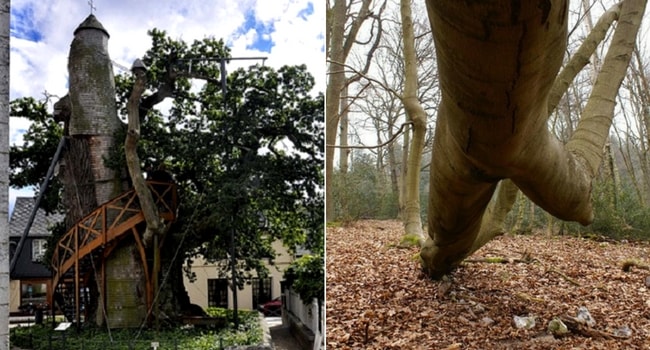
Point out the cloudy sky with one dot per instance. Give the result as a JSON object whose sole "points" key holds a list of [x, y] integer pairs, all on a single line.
{"points": [[285, 31]]}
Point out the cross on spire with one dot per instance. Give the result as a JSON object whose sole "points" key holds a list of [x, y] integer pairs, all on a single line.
{"points": [[92, 6]]}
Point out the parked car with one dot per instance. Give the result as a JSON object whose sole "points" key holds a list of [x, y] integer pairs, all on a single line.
{"points": [[272, 308]]}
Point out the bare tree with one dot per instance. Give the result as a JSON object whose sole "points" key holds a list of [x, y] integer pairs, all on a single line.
{"points": [[417, 116], [343, 25], [403, 74]]}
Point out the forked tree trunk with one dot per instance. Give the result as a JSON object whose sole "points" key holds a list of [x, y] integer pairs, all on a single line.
{"points": [[505, 198], [497, 62]]}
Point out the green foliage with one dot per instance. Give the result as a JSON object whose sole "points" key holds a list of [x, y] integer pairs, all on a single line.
{"points": [[256, 150], [410, 240], [618, 214], [249, 333], [306, 276], [29, 162], [363, 192]]}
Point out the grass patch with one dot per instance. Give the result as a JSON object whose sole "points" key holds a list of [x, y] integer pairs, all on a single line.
{"points": [[249, 332], [410, 240]]}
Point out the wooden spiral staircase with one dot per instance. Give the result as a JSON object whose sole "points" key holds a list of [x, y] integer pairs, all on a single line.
{"points": [[92, 239]]}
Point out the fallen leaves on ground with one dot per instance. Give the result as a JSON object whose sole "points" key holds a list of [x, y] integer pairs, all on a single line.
{"points": [[378, 298]]}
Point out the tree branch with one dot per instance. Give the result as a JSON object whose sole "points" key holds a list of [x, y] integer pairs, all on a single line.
{"points": [[362, 75], [154, 223], [401, 129]]}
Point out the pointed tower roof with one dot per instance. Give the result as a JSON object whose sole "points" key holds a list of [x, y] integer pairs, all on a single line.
{"points": [[91, 22]]}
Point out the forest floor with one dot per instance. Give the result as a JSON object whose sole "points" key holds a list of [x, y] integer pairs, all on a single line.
{"points": [[378, 298]]}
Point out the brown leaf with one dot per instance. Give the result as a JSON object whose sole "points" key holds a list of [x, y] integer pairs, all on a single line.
{"points": [[383, 289]]}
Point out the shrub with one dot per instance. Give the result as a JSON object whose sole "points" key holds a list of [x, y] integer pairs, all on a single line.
{"points": [[306, 276], [249, 333]]}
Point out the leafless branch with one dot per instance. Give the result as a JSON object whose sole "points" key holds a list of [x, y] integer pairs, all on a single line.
{"points": [[401, 129]]}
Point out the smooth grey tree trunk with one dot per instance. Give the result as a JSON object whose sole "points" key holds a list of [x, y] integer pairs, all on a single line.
{"points": [[4, 174]]}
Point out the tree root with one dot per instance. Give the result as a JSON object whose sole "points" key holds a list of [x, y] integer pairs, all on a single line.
{"points": [[410, 240], [528, 297], [627, 265], [526, 258], [491, 260], [565, 277], [578, 327]]}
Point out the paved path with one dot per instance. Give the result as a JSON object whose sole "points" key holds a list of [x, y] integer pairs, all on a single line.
{"points": [[281, 335]]}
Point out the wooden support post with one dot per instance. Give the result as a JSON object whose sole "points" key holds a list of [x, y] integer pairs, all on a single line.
{"points": [[76, 278], [104, 228], [103, 291], [147, 274], [156, 270]]}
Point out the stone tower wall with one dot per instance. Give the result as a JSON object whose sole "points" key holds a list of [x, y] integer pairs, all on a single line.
{"points": [[92, 102], [93, 123]]}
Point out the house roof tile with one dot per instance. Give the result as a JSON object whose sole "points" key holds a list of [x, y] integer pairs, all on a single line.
{"points": [[20, 216]]}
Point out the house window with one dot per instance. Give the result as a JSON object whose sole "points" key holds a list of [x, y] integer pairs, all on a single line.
{"points": [[218, 292], [33, 293], [261, 291], [38, 249]]}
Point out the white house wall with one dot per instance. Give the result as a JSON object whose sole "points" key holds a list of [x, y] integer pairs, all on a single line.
{"points": [[198, 290], [14, 292]]}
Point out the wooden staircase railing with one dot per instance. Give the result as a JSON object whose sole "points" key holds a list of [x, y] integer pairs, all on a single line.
{"points": [[100, 230]]}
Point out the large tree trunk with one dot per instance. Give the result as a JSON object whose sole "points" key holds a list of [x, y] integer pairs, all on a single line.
{"points": [[4, 175], [494, 218], [497, 62], [155, 228]]}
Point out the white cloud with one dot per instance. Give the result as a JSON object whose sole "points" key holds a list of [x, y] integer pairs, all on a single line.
{"points": [[41, 66]]}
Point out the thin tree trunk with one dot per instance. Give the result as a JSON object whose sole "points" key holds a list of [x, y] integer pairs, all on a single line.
{"points": [[343, 134], [343, 163], [580, 58], [416, 114], [336, 81], [593, 129], [643, 92], [155, 228], [338, 49], [395, 171], [404, 169], [626, 154]]}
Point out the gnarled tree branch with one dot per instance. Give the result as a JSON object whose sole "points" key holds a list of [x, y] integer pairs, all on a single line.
{"points": [[151, 215]]}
